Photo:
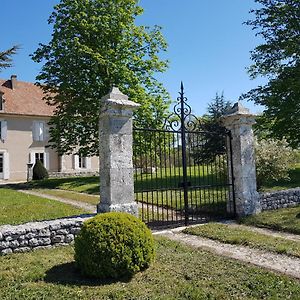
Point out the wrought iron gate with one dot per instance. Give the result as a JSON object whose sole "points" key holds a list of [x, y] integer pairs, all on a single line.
{"points": [[182, 174]]}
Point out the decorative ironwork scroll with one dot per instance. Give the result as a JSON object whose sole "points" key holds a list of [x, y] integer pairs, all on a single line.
{"points": [[182, 116]]}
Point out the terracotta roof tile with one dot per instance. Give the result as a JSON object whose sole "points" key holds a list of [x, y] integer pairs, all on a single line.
{"points": [[25, 99]]}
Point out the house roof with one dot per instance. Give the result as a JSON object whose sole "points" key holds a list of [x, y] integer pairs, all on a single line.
{"points": [[24, 99]]}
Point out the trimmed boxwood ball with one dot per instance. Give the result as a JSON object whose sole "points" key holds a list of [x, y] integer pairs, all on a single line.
{"points": [[113, 245]]}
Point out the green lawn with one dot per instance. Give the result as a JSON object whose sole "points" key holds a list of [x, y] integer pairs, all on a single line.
{"points": [[284, 219], [240, 235], [76, 196], [179, 272], [162, 188], [18, 208]]}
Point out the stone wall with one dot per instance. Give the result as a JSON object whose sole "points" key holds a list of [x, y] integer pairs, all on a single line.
{"points": [[39, 235], [280, 199], [72, 174]]}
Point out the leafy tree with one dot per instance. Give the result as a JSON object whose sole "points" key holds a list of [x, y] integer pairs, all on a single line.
{"points": [[96, 44], [211, 143], [5, 57], [274, 159], [278, 59]]}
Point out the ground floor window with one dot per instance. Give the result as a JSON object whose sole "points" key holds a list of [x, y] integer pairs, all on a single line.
{"points": [[82, 162], [1, 162], [40, 156]]}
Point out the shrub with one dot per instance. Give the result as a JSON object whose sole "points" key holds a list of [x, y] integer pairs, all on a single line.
{"points": [[39, 172], [113, 245], [274, 159]]}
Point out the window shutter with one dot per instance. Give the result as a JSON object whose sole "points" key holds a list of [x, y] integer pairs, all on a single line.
{"points": [[88, 163], [6, 165], [75, 162], [3, 130], [35, 131], [32, 158], [41, 131], [47, 160], [46, 132]]}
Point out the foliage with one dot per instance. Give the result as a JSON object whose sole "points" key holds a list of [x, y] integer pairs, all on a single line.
{"points": [[96, 44], [212, 141], [39, 172], [113, 245], [274, 159], [5, 57], [241, 235], [278, 59], [17, 208]]}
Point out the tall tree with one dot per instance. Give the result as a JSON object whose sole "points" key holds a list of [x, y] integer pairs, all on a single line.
{"points": [[278, 59], [212, 144], [96, 44], [5, 57]]}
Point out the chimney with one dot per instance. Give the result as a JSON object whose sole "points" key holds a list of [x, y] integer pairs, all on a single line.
{"points": [[13, 79]]}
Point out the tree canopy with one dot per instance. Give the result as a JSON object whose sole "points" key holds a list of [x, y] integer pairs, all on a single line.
{"points": [[278, 59], [96, 44], [5, 57], [212, 143]]}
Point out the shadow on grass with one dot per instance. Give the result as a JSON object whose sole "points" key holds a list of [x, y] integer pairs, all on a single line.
{"points": [[69, 274]]}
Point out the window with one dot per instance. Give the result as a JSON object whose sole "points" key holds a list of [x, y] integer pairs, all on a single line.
{"points": [[1, 101], [82, 162], [1, 162], [3, 130], [39, 156], [38, 131], [4, 165]]}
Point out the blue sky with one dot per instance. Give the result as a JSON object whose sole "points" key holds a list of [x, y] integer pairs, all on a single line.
{"points": [[209, 47]]}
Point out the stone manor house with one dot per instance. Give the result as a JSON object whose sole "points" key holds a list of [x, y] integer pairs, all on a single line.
{"points": [[24, 135]]}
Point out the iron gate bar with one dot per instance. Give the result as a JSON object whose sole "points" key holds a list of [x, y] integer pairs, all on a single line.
{"points": [[170, 156]]}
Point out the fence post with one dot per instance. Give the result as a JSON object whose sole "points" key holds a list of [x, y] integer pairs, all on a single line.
{"points": [[115, 154], [240, 121]]}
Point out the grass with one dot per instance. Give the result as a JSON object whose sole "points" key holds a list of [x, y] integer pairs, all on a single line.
{"points": [[284, 219], [239, 235], [80, 197], [294, 181], [18, 208], [179, 272], [163, 188]]}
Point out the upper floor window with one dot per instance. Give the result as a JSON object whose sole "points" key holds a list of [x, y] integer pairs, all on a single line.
{"points": [[38, 131], [3, 130], [1, 101]]}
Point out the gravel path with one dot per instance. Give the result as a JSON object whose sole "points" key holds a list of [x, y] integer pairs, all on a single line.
{"points": [[275, 262], [88, 207]]}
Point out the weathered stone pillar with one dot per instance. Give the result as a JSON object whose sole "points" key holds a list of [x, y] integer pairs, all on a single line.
{"points": [[239, 121], [115, 154]]}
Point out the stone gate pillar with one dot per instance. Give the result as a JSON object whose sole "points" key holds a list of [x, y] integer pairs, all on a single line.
{"points": [[239, 121], [115, 154]]}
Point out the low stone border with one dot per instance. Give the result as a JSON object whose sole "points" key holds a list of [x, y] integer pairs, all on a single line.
{"points": [[72, 174], [39, 235], [280, 199]]}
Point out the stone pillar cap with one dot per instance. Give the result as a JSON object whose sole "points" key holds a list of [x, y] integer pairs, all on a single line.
{"points": [[238, 110], [115, 98]]}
